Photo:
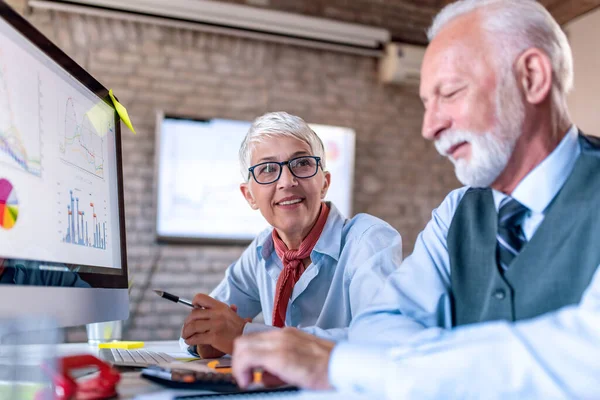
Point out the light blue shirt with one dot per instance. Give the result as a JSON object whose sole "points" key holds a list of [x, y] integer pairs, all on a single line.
{"points": [[556, 355], [350, 263]]}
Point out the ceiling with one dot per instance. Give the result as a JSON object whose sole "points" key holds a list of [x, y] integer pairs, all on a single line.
{"points": [[407, 20]]}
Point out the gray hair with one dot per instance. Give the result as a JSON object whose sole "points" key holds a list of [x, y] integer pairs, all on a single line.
{"points": [[523, 24], [278, 124]]}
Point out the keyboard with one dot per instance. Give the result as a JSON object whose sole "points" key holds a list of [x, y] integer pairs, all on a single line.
{"points": [[134, 358]]}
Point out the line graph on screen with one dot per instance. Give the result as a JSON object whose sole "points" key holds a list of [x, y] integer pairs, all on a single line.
{"points": [[82, 136], [20, 121]]}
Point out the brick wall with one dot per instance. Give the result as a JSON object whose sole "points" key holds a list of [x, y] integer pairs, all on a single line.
{"points": [[399, 177], [17, 5]]}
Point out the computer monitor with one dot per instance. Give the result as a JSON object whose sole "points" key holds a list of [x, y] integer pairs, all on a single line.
{"points": [[62, 230]]}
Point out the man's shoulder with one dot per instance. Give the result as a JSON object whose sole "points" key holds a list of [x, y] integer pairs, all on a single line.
{"points": [[450, 203], [363, 222], [589, 144]]}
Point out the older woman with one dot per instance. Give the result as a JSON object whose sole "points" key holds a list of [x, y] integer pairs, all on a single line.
{"points": [[314, 270]]}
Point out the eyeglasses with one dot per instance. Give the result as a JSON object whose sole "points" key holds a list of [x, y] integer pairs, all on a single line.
{"points": [[270, 171]]}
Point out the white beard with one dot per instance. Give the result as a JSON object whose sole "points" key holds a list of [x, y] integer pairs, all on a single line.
{"points": [[491, 150], [489, 156]]}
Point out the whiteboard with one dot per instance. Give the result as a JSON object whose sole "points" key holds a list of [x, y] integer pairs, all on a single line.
{"points": [[198, 195]]}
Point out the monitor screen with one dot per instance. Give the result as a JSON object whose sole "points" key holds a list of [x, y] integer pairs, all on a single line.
{"points": [[199, 178], [61, 211]]}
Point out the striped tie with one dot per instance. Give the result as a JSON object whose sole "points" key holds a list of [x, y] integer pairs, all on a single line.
{"points": [[510, 236]]}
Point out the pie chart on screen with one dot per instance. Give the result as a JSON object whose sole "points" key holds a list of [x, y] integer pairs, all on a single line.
{"points": [[9, 206]]}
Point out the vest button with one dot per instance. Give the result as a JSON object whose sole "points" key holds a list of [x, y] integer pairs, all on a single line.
{"points": [[500, 294]]}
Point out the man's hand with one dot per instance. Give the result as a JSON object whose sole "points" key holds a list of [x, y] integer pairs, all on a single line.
{"points": [[212, 323], [286, 355]]}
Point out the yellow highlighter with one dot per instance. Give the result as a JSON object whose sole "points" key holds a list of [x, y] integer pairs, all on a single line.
{"points": [[121, 345], [215, 365], [256, 375]]}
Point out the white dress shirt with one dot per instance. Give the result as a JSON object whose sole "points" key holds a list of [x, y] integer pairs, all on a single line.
{"points": [[556, 355]]}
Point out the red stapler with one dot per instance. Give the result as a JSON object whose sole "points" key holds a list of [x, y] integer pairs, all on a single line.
{"points": [[102, 386]]}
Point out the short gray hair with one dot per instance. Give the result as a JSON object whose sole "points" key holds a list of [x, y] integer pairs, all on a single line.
{"points": [[278, 124], [524, 24]]}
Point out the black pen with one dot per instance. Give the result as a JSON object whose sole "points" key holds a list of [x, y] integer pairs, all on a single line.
{"points": [[193, 349], [172, 297]]}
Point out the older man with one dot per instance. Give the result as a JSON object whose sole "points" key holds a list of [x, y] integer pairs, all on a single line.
{"points": [[501, 297]]}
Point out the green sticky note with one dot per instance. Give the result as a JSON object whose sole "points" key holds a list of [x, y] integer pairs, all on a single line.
{"points": [[122, 111]]}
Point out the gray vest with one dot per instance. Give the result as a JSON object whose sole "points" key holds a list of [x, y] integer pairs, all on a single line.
{"points": [[553, 268]]}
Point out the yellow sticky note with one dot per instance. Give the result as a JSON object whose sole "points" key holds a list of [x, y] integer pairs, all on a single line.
{"points": [[121, 110], [98, 117], [121, 345]]}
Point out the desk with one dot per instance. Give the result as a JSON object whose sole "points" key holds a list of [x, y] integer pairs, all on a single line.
{"points": [[132, 384]]}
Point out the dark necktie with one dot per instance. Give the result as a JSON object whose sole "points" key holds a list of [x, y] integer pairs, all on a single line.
{"points": [[510, 235]]}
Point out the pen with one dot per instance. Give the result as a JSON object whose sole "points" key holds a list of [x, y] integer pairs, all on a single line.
{"points": [[193, 350], [173, 298]]}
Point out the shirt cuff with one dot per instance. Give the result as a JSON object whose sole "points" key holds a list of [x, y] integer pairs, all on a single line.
{"points": [[182, 344], [359, 368], [254, 327]]}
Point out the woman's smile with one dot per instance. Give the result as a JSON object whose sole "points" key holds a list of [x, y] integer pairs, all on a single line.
{"points": [[290, 202]]}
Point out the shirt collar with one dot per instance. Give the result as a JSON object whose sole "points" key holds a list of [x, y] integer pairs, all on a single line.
{"points": [[541, 185], [329, 242]]}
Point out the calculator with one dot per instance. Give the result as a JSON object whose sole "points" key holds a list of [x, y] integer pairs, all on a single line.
{"points": [[181, 378], [186, 379]]}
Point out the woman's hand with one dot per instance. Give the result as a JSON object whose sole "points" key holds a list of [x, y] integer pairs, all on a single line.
{"points": [[212, 323], [207, 351]]}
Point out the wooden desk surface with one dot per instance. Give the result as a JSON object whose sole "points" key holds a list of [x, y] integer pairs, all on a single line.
{"points": [[131, 383], [29, 358]]}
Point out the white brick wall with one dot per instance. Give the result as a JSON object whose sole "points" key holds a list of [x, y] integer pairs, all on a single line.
{"points": [[399, 177]]}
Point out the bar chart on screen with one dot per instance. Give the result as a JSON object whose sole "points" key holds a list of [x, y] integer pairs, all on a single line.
{"points": [[82, 219]]}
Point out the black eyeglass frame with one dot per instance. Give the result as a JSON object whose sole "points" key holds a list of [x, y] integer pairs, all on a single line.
{"points": [[281, 165]]}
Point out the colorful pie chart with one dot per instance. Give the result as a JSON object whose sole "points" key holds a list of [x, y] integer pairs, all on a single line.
{"points": [[9, 206]]}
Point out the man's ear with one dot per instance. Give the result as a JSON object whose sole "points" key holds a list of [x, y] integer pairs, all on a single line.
{"points": [[534, 74], [245, 189], [326, 183]]}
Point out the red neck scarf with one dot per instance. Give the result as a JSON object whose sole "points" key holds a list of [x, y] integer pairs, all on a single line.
{"points": [[293, 266]]}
